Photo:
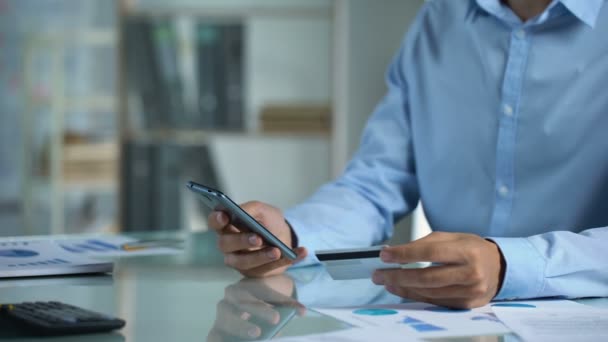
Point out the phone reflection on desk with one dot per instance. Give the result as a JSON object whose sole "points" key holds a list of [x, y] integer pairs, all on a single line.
{"points": [[255, 309]]}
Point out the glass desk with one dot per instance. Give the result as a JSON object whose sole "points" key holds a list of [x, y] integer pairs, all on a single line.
{"points": [[192, 296]]}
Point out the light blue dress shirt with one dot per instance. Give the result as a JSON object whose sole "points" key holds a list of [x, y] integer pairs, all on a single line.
{"points": [[500, 128]]}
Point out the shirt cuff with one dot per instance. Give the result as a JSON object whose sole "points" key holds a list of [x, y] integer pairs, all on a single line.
{"points": [[304, 240], [525, 269]]}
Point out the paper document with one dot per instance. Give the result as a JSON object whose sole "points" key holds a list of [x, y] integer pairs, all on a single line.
{"points": [[40, 258], [421, 320], [352, 335], [116, 246], [583, 323], [105, 245]]}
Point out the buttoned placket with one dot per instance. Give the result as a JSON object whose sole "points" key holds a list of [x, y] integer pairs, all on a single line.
{"points": [[507, 129]]}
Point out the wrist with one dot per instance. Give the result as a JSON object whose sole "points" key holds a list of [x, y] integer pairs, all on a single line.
{"points": [[502, 267]]}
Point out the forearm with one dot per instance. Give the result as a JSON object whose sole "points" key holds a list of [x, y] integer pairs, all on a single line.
{"points": [[378, 187], [337, 217]]}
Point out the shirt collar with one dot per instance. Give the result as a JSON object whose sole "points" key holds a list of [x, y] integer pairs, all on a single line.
{"points": [[586, 11]]}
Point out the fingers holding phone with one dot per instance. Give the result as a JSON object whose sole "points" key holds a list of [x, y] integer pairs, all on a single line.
{"points": [[247, 251]]}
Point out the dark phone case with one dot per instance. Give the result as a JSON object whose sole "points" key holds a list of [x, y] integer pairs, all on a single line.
{"points": [[216, 200]]}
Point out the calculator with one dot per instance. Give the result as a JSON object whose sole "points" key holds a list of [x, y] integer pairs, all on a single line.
{"points": [[56, 318]]}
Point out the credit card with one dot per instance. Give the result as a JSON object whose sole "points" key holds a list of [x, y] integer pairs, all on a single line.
{"points": [[353, 263]]}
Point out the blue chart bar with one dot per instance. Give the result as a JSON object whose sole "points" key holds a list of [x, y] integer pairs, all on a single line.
{"points": [[424, 327], [71, 249], [17, 253], [89, 245], [488, 317], [105, 245], [375, 312], [410, 320], [419, 325], [56, 261], [13, 243]]}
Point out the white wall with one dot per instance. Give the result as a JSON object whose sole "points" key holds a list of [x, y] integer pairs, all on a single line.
{"points": [[370, 32], [280, 170], [287, 61]]}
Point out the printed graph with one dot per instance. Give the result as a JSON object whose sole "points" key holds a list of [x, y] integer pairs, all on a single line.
{"points": [[88, 246], [419, 325], [56, 261]]}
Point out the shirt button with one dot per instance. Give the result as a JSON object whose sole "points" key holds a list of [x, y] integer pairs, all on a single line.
{"points": [[521, 34], [503, 191], [507, 110]]}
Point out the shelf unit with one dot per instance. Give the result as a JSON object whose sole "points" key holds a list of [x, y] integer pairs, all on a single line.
{"points": [[54, 183], [257, 20], [360, 38]]}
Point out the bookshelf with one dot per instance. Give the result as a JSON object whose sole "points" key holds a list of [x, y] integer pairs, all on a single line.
{"points": [[318, 53], [286, 56]]}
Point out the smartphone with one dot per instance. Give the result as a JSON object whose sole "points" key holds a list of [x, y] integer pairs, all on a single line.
{"points": [[217, 201]]}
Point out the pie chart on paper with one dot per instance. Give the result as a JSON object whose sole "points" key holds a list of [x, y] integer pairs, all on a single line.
{"points": [[17, 253]]}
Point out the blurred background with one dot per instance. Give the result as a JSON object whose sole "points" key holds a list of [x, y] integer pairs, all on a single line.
{"points": [[107, 107]]}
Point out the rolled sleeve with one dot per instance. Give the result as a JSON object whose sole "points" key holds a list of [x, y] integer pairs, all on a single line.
{"points": [[524, 274]]}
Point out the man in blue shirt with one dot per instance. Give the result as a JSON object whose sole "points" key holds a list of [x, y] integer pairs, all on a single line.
{"points": [[495, 120]]}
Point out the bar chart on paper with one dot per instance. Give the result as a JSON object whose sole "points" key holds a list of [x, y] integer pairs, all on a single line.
{"points": [[90, 245], [421, 320], [41, 258], [113, 246]]}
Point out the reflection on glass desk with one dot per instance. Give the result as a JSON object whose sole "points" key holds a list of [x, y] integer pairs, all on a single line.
{"points": [[192, 296]]}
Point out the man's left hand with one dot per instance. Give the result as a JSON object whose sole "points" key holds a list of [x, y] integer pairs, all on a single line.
{"points": [[469, 275]]}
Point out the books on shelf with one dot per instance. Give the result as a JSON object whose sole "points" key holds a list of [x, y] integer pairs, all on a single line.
{"points": [[90, 163], [156, 48], [142, 73], [220, 75], [154, 176], [170, 87], [296, 118], [85, 164]]}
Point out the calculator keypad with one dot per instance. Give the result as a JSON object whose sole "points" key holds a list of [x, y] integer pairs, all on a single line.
{"points": [[60, 318]]}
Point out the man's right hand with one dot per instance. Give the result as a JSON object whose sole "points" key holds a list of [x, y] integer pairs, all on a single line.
{"points": [[246, 251]]}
